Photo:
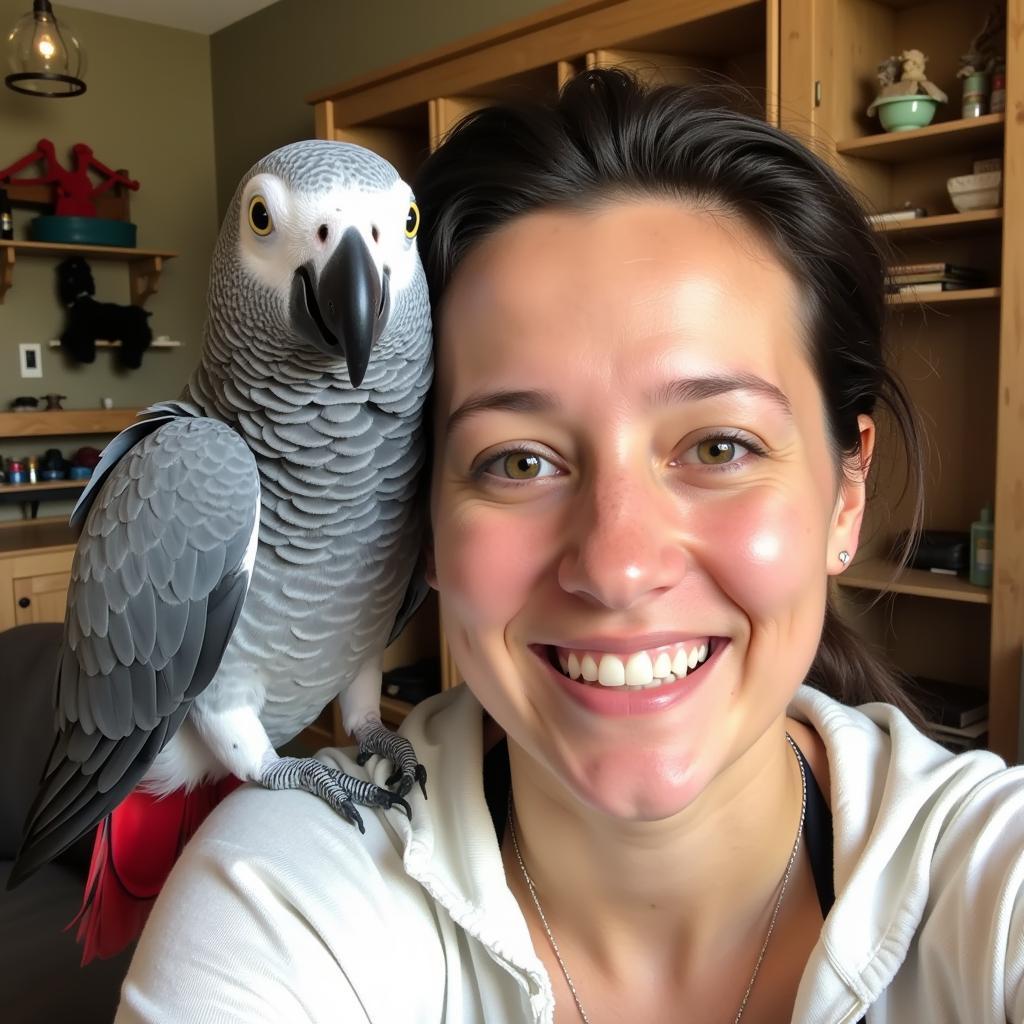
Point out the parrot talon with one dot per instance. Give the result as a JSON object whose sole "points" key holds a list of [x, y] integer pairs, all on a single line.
{"points": [[376, 739]]}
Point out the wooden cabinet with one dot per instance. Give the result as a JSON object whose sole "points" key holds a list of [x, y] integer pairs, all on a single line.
{"points": [[809, 65], [960, 353], [35, 569]]}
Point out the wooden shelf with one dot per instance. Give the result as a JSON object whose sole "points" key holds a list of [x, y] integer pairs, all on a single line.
{"points": [[946, 225], [27, 490], [58, 423], [966, 296], [155, 343], [878, 574], [144, 265], [925, 143]]}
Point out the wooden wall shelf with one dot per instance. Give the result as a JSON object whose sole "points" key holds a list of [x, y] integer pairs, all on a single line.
{"points": [[29, 492], [925, 143], [878, 574], [144, 265], [946, 225], [160, 343], [65, 422], [966, 296]]}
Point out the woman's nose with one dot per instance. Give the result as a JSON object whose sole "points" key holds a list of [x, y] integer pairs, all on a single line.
{"points": [[623, 545]]}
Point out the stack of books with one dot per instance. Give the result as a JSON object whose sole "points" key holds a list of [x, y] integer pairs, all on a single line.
{"points": [[932, 277], [958, 715]]}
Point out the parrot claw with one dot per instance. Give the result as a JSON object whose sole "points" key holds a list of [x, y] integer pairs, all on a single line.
{"points": [[376, 739], [340, 791]]}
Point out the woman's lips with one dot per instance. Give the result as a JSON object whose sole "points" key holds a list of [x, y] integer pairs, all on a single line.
{"points": [[620, 700]]}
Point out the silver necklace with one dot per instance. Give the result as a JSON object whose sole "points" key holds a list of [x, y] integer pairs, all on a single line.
{"points": [[771, 925]]}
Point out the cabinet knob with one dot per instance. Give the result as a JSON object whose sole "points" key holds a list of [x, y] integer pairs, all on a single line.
{"points": [[24, 602]]}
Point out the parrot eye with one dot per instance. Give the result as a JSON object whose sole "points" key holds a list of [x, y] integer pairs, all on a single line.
{"points": [[412, 221], [259, 216]]}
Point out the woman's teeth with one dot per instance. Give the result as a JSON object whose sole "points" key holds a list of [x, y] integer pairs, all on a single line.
{"points": [[641, 670]]}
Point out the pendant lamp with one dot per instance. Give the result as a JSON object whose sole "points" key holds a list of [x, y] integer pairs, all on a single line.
{"points": [[44, 56]]}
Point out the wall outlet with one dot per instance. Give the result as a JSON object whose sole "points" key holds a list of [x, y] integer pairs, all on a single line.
{"points": [[30, 355]]}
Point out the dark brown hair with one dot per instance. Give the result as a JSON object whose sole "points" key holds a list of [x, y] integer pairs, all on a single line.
{"points": [[607, 137]]}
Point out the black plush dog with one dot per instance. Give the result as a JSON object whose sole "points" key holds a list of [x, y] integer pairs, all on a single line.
{"points": [[89, 319]]}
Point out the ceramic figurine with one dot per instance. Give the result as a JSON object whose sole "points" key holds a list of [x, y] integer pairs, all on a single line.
{"points": [[913, 79]]}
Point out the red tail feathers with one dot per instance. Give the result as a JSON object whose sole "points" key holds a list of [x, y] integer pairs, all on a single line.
{"points": [[136, 847]]}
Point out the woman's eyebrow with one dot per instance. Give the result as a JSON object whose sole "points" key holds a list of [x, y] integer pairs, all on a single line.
{"points": [[508, 401], [694, 389]]}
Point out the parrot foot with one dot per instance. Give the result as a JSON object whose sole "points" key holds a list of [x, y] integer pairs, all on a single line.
{"points": [[338, 790], [376, 739]]}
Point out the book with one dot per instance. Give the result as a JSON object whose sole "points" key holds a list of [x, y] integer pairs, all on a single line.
{"points": [[934, 269], [931, 286], [896, 216], [948, 705]]}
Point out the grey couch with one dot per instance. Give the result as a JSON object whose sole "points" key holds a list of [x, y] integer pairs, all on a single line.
{"points": [[41, 981]]}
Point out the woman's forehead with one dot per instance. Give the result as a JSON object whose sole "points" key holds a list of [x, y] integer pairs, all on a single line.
{"points": [[622, 291]]}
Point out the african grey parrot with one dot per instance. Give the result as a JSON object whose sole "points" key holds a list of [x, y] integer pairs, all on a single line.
{"points": [[249, 550]]}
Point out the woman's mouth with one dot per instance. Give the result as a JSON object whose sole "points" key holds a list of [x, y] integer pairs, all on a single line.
{"points": [[638, 670]]}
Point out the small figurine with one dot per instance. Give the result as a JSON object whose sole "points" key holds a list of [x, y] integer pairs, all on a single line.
{"points": [[912, 79], [987, 47]]}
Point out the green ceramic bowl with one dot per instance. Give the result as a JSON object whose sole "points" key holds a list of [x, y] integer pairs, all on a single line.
{"points": [[905, 113]]}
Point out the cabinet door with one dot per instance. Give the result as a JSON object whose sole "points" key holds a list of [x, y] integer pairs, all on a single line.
{"points": [[41, 598]]}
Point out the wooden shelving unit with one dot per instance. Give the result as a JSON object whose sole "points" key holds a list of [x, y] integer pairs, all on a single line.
{"points": [[144, 265], [878, 574], [962, 363]]}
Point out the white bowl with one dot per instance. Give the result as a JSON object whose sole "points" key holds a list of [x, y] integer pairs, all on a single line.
{"points": [[975, 191]]}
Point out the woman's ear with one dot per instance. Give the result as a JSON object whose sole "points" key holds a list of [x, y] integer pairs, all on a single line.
{"points": [[844, 533]]}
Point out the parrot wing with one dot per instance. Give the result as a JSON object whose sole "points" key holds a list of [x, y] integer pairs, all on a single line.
{"points": [[157, 585]]}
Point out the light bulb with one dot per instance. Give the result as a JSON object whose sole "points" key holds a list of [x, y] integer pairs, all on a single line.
{"points": [[44, 44]]}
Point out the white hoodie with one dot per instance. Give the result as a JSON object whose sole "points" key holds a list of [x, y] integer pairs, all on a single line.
{"points": [[280, 911]]}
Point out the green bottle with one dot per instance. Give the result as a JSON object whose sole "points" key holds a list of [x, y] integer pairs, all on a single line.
{"points": [[982, 534]]}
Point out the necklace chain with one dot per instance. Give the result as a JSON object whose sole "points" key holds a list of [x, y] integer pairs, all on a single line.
{"points": [[771, 925]]}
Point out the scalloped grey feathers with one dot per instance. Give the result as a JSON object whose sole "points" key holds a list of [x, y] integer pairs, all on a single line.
{"points": [[157, 584], [173, 609]]}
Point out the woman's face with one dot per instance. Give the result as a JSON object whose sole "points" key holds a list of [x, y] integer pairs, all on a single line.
{"points": [[633, 480]]}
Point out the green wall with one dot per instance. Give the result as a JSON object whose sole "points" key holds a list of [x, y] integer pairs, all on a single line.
{"points": [[265, 65], [149, 108]]}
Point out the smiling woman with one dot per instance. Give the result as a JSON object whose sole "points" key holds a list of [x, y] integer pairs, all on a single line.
{"points": [[659, 360]]}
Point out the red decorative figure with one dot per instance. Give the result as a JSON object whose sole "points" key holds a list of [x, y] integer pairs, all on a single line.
{"points": [[75, 188]]}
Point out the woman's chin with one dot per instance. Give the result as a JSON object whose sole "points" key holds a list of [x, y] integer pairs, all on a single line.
{"points": [[638, 784]]}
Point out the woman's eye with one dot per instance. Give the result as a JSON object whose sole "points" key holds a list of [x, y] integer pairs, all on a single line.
{"points": [[519, 465], [720, 450], [717, 451], [259, 216]]}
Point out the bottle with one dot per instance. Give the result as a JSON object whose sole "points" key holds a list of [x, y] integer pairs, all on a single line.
{"points": [[982, 535], [6, 216], [997, 101], [32, 465]]}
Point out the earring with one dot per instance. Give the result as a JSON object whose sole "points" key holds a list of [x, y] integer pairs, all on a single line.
{"points": [[844, 557]]}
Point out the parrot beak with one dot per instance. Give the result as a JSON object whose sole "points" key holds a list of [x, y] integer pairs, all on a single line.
{"points": [[345, 310]]}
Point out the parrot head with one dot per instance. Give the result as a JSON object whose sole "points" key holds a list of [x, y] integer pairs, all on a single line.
{"points": [[317, 253]]}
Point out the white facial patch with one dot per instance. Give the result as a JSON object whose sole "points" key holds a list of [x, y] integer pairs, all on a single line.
{"points": [[306, 229]]}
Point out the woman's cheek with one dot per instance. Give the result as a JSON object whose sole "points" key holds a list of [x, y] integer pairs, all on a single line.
{"points": [[489, 557], [764, 550]]}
